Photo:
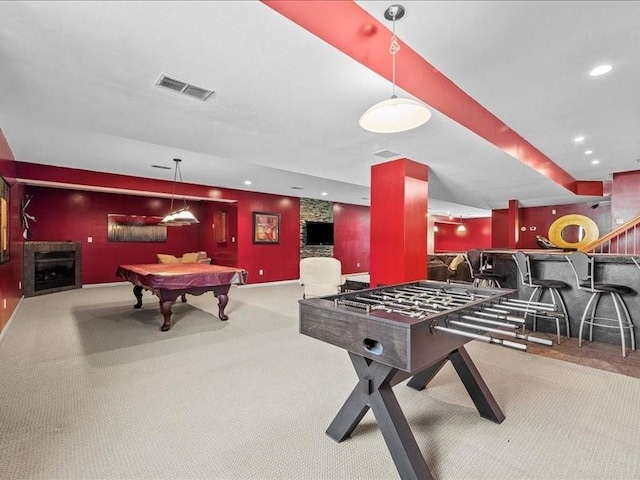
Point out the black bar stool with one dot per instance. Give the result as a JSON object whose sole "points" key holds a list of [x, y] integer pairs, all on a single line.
{"points": [[539, 286], [583, 268], [480, 275]]}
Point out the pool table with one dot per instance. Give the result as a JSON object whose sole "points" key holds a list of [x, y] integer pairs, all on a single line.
{"points": [[170, 281]]}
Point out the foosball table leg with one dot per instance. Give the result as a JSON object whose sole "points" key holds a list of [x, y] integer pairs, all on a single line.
{"points": [[375, 391], [475, 385], [471, 379]]}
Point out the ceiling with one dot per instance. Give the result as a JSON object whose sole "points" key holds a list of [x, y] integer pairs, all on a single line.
{"points": [[78, 89]]}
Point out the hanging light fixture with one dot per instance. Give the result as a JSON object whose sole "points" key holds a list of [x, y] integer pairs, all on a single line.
{"points": [[178, 218], [395, 114]]}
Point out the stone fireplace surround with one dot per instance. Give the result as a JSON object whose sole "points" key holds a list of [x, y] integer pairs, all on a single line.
{"points": [[29, 265]]}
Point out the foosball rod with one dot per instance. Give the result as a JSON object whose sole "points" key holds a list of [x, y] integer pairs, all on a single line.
{"points": [[543, 305], [482, 338], [499, 316], [519, 336], [486, 321]]}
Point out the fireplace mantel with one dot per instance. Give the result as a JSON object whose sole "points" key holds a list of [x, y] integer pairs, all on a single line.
{"points": [[46, 251]]}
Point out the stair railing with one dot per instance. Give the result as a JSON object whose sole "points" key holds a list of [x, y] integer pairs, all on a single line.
{"points": [[623, 240]]}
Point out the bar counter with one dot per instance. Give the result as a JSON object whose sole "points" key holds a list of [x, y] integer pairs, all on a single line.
{"points": [[552, 264]]}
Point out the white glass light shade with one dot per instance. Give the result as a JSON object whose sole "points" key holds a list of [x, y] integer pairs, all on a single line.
{"points": [[185, 216], [395, 115], [179, 218], [167, 219]]}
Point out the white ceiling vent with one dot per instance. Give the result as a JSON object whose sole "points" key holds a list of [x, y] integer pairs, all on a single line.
{"points": [[183, 87], [385, 153]]}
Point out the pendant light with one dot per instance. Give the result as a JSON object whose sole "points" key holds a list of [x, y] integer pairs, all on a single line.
{"points": [[395, 114], [181, 217]]}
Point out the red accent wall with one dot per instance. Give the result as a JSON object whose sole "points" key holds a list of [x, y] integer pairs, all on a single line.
{"points": [[278, 262], [81, 214], [78, 215], [625, 196], [449, 239], [351, 237], [221, 253], [11, 271], [541, 219], [500, 228]]}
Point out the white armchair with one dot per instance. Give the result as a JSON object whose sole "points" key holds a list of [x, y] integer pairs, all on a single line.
{"points": [[320, 276]]}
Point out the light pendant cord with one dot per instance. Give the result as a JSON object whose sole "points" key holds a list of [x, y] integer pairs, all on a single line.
{"points": [[175, 176], [394, 48], [184, 196]]}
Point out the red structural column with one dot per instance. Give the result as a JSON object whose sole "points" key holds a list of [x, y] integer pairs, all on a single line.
{"points": [[398, 222], [514, 223]]}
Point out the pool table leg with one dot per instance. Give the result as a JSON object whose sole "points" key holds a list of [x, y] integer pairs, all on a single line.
{"points": [[165, 309], [223, 299], [137, 292]]}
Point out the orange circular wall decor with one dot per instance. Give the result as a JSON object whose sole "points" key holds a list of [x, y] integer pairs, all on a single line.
{"points": [[591, 231]]}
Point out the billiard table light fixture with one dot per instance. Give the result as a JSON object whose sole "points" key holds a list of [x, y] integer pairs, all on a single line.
{"points": [[182, 216], [395, 114]]}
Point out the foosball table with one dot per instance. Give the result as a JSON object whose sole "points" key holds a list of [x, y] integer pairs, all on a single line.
{"points": [[411, 330]]}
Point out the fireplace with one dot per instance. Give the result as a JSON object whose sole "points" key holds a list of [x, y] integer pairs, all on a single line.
{"points": [[51, 267]]}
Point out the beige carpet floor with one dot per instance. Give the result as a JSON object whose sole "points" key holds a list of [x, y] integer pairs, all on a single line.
{"points": [[91, 389]]}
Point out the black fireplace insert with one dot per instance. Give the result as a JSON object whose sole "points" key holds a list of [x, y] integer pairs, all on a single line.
{"points": [[54, 270]]}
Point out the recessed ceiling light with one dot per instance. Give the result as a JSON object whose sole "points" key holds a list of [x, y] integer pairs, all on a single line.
{"points": [[595, 162], [247, 182], [600, 70], [579, 139], [588, 152], [324, 194]]}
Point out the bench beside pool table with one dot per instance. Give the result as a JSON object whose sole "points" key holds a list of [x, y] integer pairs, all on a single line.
{"points": [[170, 281]]}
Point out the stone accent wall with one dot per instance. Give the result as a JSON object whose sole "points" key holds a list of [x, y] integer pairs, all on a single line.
{"points": [[314, 211]]}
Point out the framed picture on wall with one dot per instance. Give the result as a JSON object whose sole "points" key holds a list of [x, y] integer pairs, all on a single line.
{"points": [[266, 227], [4, 220]]}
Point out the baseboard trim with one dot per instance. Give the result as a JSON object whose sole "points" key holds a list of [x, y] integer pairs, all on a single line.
{"points": [[108, 284], [13, 315], [267, 284], [251, 285]]}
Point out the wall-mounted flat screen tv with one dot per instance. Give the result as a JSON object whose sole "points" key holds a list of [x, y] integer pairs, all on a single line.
{"points": [[319, 233]]}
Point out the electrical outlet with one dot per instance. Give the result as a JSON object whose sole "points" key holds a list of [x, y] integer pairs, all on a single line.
{"points": [[89, 239], [358, 265], [4, 303], [260, 272], [19, 285], [553, 211], [233, 239]]}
